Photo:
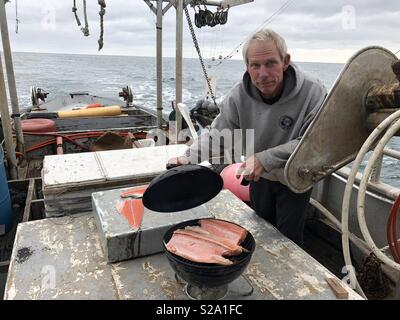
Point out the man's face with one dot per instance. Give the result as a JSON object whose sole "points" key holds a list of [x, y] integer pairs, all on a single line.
{"points": [[266, 67]]}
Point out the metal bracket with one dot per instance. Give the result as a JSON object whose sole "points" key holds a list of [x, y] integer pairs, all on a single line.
{"points": [[339, 129]]}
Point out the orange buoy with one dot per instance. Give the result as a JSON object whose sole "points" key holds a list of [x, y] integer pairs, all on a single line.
{"points": [[93, 112], [38, 125], [94, 105]]}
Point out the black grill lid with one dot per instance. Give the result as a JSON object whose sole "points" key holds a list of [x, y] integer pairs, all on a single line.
{"points": [[182, 188]]}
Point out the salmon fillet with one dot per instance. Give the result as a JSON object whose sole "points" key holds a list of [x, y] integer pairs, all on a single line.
{"points": [[232, 249], [224, 229], [132, 209], [196, 249]]}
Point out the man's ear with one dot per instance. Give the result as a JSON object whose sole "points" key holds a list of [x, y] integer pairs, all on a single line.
{"points": [[286, 62]]}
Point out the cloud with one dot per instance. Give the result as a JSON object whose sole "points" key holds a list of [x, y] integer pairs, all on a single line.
{"points": [[324, 30]]}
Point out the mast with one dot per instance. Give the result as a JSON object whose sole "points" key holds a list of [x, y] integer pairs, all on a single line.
{"points": [[11, 77], [159, 62], [159, 11], [179, 66], [5, 121]]}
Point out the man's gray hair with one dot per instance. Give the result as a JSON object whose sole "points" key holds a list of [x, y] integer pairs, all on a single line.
{"points": [[266, 35]]}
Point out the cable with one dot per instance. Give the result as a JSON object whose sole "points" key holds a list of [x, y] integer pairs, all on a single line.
{"points": [[17, 21], [391, 231], [376, 134], [268, 20]]}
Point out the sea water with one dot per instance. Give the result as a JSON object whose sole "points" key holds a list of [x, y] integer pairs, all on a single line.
{"points": [[105, 76]]}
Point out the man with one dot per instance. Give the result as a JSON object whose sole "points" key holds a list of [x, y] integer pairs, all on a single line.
{"points": [[278, 100]]}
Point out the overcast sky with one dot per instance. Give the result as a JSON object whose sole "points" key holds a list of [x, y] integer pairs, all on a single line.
{"points": [[324, 31]]}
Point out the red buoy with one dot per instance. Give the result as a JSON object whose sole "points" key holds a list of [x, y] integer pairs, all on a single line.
{"points": [[38, 125]]}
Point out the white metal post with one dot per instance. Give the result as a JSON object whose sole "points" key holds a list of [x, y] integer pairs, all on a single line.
{"points": [[179, 59], [5, 121], [159, 62], [11, 77]]}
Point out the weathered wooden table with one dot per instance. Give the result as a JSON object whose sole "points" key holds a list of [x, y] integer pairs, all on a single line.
{"points": [[61, 258]]}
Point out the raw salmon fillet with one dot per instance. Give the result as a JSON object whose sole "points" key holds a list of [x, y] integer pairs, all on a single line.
{"points": [[199, 232], [197, 250], [224, 229], [132, 209]]}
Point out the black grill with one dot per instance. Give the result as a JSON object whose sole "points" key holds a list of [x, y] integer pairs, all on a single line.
{"points": [[207, 274]]}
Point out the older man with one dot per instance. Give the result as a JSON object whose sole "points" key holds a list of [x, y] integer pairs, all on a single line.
{"points": [[278, 101]]}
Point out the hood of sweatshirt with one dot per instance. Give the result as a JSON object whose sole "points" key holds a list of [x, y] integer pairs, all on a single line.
{"points": [[293, 81]]}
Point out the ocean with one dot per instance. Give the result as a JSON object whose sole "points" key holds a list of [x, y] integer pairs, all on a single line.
{"points": [[106, 75]]}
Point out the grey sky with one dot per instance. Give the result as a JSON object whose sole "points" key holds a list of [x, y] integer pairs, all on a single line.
{"points": [[315, 30]]}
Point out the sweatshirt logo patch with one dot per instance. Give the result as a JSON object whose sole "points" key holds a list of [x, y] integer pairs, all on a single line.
{"points": [[286, 122]]}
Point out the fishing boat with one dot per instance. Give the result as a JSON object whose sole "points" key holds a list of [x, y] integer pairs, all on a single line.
{"points": [[69, 242]]}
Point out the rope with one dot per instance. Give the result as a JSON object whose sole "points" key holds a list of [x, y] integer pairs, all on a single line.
{"points": [[275, 14], [102, 12], [74, 10], [391, 231], [85, 29], [16, 16]]}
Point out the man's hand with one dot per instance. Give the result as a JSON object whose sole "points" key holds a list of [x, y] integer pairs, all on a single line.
{"points": [[177, 161], [251, 169]]}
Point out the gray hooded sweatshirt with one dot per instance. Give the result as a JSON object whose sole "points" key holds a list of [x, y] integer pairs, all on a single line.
{"points": [[278, 127]]}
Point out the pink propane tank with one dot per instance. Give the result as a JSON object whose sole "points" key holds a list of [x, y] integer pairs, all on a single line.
{"points": [[231, 183]]}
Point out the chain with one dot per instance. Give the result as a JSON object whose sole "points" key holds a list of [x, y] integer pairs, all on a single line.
{"points": [[102, 12], [196, 44]]}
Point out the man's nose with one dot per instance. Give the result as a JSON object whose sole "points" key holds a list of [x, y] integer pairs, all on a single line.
{"points": [[264, 71]]}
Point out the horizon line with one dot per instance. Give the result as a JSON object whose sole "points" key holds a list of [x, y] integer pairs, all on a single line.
{"points": [[144, 56]]}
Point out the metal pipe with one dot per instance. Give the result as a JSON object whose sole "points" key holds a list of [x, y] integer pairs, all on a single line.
{"points": [[11, 77], [159, 62], [5, 121], [179, 59], [60, 149], [391, 153], [359, 243]]}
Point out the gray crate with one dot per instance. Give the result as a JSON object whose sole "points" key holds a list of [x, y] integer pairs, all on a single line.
{"points": [[120, 241]]}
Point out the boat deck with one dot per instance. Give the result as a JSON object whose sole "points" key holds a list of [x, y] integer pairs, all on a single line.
{"points": [[61, 258]]}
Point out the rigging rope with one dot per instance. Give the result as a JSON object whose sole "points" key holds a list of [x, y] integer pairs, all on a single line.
{"points": [[275, 14], [102, 12], [196, 44], [16, 16], [85, 29]]}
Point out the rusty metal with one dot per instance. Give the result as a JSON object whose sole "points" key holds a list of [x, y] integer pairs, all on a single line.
{"points": [[387, 95], [339, 128], [374, 282]]}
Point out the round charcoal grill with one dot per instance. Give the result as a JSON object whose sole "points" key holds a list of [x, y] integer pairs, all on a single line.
{"points": [[207, 274]]}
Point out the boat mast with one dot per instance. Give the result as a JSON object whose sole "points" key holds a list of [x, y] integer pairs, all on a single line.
{"points": [[179, 67], [5, 115], [11, 77], [159, 11]]}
